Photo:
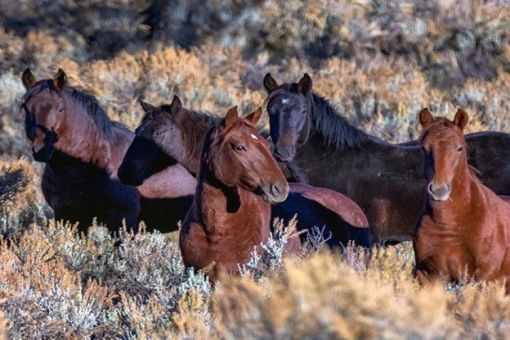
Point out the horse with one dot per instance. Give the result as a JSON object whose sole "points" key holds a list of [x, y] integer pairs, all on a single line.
{"points": [[464, 229], [322, 148], [237, 181], [82, 149], [180, 134]]}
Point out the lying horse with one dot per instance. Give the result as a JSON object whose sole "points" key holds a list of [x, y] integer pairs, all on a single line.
{"points": [[322, 148], [82, 149], [465, 227], [180, 134]]}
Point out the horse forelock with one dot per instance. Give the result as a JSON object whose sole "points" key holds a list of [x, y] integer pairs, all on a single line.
{"points": [[41, 85], [443, 125]]}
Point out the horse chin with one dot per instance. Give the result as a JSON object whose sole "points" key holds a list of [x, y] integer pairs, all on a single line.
{"points": [[283, 159], [441, 198], [271, 199]]}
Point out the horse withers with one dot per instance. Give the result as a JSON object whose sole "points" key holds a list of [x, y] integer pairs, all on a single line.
{"points": [[464, 229]]}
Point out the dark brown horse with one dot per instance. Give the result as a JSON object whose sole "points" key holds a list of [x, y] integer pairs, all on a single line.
{"points": [[82, 149], [180, 134], [231, 212], [322, 148], [464, 229]]}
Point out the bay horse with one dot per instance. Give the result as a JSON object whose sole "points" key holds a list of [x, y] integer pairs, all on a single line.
{"points": [[180, 134], [237, 181], [464, 229], [82, 149], [322, 148]]}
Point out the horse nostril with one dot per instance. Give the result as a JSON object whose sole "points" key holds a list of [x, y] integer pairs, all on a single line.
{"points": [[275, 190], [429, 188]]}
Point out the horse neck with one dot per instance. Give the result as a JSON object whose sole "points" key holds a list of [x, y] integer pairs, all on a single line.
{"points": [[119, 143], [212, 201], [84, 141], [194, 138]]}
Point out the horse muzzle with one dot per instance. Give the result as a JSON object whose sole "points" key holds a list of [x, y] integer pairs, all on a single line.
{"points": [[275, 192], [439, 192], [44, 153], [131, 175]]}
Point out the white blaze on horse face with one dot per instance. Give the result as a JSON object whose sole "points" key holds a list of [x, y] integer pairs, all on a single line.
{"points": [[285, 100], [253, 136]]}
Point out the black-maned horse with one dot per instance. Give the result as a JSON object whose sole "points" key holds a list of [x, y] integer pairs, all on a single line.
{"points": [[322, 148]]}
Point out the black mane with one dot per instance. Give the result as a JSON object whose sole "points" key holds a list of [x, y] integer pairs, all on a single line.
{"points": [[335, 129]]}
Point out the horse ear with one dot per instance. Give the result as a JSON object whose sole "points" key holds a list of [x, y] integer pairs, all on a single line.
{"points": [[146, 106], [254, 116], [176, 105], [425, 117], [174, 108], [231, 117], [270, 83], [461, 119], [60, 79], [28, 79], [305, 84]]}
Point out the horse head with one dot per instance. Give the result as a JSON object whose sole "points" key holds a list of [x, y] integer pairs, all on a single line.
{"points": [[238, 157], [445, 151], [43, 106], [288, 106]]}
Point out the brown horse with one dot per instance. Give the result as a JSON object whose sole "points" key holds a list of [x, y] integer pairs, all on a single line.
{"points": [[465, 227], [82, 149], [322, 148], [180, 134], [231, 211]]}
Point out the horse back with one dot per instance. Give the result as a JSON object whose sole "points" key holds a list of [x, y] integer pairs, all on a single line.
{"points": [[312, 214]]}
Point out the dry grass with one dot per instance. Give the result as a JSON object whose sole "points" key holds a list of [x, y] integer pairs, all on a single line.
{"points": [[378, 62]]}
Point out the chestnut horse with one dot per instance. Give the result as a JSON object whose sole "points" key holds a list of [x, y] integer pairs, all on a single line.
{"points": [[82, 149], [180, 133], [231, 212], [465, 227], [323, 149]]}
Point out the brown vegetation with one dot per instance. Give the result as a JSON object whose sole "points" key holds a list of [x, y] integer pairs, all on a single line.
{"points": [[379, 62]]}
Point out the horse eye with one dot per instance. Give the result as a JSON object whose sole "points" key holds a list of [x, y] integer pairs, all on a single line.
{"points": [[159, 132], [239, 148], [460, 149]]}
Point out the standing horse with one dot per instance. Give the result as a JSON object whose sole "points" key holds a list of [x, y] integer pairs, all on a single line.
{"points": [[322, 148], [465, 227], [231, 212], [171, 131], [82, 149]]}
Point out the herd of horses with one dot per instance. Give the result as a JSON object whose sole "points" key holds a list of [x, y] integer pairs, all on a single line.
{"points": [[227, 182]]}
